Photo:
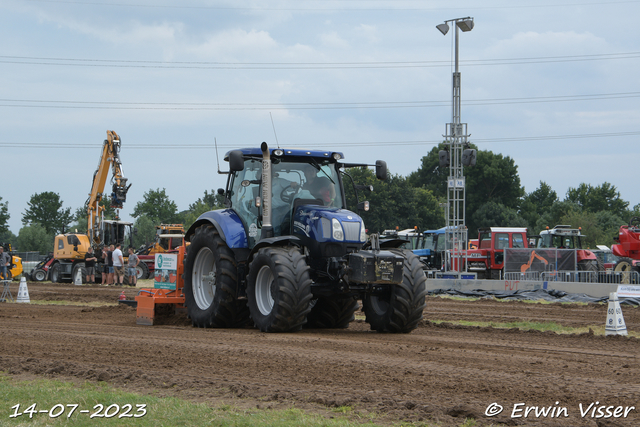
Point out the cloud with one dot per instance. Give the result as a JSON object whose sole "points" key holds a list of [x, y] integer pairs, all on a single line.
{"points": [[333, 40], [368, 32]]}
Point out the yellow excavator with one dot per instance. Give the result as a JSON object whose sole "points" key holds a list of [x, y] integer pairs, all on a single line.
{"points": [[70, 248]]}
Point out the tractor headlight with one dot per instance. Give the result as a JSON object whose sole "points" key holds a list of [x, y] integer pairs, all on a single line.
{"points": [[338, 232], [363, 233]]}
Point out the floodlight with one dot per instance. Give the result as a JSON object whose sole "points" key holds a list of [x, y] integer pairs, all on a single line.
{"points": [[465, 25], [444, 28]]}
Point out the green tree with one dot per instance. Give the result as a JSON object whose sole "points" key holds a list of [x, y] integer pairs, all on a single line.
{"points": [[393, 203], [494, 178], [8, 237], [493, 214], [554, 215], [4, 216], [158, 207], [430, 175], [35, 237], [536, 203], [145, 231], [46, 209], [588, 223], [604, 197], [208, 202]]}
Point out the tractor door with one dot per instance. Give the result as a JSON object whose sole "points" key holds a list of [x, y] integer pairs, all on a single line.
{"points": [[245, 192]]}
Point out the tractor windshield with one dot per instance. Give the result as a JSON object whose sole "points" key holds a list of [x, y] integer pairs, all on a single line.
{"points": [[299, 182]]}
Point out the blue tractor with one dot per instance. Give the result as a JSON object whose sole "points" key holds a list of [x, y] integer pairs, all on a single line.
{"points": [[431, 250], [286, 253]]}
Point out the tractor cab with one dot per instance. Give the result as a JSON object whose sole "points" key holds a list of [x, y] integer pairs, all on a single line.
{"points": [[295, 182], [565, 237]]}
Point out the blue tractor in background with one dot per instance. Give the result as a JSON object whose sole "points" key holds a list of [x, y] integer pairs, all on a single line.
{"points": [[286, 253], [431, 249]]}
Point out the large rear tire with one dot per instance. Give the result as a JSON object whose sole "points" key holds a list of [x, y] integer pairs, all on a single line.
{"points": [[211, 282], [589, 269], [400, 310], [332, 313], [279, 289], [142, 270]]}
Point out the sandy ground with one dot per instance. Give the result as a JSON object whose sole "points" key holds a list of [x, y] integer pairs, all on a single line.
{"points": [[438, 373]]}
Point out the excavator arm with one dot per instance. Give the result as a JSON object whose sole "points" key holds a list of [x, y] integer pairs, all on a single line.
{"points": [[110, 159]]}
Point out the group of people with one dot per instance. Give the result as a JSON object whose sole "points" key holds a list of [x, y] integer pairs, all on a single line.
{"points": [[113, 264]]}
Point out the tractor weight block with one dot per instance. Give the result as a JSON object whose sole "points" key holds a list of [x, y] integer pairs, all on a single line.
{"points": [[380, 267]]}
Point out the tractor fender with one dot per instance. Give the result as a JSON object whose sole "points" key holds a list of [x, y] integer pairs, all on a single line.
{"points": [[228, 224], [274, 241]]}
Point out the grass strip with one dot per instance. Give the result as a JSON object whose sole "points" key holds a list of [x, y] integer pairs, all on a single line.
{"points": [[111, 406]]}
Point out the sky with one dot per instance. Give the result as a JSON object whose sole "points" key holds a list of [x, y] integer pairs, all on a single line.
{"points": [[553, 85]]}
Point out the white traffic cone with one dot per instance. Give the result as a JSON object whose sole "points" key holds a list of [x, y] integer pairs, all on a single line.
{"points": [[23, 292], [615, 321], [78, 279]]}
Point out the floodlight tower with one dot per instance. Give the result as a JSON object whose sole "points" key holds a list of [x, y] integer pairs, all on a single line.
{"points": [[456, 156]]}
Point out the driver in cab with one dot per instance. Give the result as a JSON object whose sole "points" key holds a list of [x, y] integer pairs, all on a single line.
{"points": [[318, 187]]}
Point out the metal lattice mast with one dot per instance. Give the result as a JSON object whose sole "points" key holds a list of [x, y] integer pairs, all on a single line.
{"points": [[457, 139]]}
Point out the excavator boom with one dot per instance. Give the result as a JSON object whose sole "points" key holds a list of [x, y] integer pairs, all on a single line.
{"points": [[110, 159]]}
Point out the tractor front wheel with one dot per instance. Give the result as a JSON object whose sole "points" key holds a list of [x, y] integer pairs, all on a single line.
{"points": [[39, 275], [625, 268], [400, 310], [211, 282], [279, 289]]}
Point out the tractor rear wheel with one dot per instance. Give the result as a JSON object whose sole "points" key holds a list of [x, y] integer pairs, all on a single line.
{"points": [[625, 268], [279, 289], [589, 269], [142, 270], [401, 309], [332, 313], [211, 282]]}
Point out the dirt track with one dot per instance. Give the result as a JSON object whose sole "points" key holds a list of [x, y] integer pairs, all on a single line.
{"points": [[437, 373]]}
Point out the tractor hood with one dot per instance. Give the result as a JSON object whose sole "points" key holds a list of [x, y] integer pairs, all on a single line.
{"points": [[328, 224]]}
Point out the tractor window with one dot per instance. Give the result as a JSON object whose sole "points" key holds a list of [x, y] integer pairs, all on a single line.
{"points": [[429, 242], [60, 244], [517, 241], [244, 190], [485, 241], [502, 240]]}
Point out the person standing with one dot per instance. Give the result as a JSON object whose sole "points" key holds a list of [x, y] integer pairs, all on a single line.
{"points": [[5, 261], [132, 264], [110, 280], [118, 264], [105, 268], [90, 266]]}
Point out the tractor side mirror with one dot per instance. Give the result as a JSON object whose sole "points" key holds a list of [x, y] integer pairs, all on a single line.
{"points": [[381, 170], [236, 161]]}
